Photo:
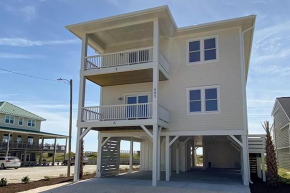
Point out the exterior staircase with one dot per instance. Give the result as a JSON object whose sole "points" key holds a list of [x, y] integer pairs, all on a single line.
{"points": [[110, 158]]}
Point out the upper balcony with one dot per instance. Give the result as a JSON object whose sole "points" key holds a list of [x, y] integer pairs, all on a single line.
{"points": [[126, 67]]}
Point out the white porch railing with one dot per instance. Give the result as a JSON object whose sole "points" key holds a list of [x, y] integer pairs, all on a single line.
{"points": [[163, 62], [118, 112], [163, 114], [136, 56]]}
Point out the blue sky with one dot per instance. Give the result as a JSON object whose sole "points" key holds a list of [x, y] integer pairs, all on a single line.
{"points": [[33, 41]]}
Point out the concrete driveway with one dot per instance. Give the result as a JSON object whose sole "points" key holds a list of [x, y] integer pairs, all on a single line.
{"points": [[117, 185]]}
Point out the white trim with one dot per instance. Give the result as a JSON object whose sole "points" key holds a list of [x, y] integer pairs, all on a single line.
{"points": [[202, 59], [173, 140], [236, 140], [85, 132], [148, 132], [148, 93], [283, 147], [283, 109], [203, 100]]}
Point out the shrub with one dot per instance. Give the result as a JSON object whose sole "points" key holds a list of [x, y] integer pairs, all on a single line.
{"points": [[25, 179], [87, 173], [47, 178], [62, 175], [3, 182]]}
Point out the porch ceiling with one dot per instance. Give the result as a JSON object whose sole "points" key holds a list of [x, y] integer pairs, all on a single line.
{"points": [[126, 128], [129, 77]]}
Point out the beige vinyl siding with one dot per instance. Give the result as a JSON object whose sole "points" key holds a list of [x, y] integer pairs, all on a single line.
{"points": [[280, 118], [17, 126], [172, 93]]}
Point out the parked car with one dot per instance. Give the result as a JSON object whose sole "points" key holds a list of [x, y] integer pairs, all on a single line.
{"points": [[72, 162], [9, 162]]}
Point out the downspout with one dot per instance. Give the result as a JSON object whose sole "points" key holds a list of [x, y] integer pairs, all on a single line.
{"points": [[7, 151], [244, 65]]}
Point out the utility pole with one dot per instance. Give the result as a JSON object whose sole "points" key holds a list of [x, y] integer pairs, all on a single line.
{"points": [[70, 124]]}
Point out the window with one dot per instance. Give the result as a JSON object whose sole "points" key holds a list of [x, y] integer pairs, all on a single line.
{"points": [[202, 50], [30, 140], [19, 139], [20, 121], [31, 123], [9, 119], [5, 138], [203, 99]]}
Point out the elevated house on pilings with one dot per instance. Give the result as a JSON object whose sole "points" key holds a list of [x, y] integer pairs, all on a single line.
{"points": [[20, 136], [172, 89]]}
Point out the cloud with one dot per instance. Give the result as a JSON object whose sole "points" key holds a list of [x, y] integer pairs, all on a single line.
{"points": [[19, 56], [29, 12], [23, 42]]}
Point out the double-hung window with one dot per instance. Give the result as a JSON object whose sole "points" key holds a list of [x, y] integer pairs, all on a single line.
{"points": [[20, 121], [31, 123], [203, 100], [202, 50], [9, 119]]}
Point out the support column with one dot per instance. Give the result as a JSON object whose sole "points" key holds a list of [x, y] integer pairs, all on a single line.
{"points": [[259, 167], [82, 87], [263, 167], [54, 152], [154, 156], [78, 155], [167, 158], [159, 156], [155, 69], [177, 159], [40, 156], [65, 149], [99, 156], [245, 159], [131, 156]]}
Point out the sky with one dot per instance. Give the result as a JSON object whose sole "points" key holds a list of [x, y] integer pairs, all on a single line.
{"points": [[34, 41]]}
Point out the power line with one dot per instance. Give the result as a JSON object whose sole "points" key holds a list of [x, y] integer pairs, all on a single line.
{"points": [[30, 76]]}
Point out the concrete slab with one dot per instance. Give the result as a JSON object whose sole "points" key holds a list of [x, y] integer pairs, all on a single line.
{"points": [[211, 181]]}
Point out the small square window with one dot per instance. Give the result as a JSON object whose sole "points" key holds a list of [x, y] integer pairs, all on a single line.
{"points": [[194, 56], [210, 54], [9, 119], [195, 106], [194, 95], [211, 93]]}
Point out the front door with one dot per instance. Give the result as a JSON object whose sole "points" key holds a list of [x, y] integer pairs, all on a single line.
{"points": [[137, 106]]}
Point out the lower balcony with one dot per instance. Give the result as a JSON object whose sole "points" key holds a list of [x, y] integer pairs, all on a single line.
{"points": [[123, 115], [32, 146]]}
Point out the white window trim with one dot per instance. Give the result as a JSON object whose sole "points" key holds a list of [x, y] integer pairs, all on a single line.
{"points": [[202, 89], [31, 122], [201, 39], [9, 119], [22, 121]]}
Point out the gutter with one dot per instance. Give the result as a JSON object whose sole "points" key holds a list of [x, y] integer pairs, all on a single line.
{"points": [[244, 64]]}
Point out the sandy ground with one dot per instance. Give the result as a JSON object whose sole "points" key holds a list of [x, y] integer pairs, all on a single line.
{"points": [[37, 173]]}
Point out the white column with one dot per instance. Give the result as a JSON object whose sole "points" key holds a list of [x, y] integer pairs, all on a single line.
{"points": [[77, 155], [245, 159], [99, 156], [263, 167], [159, 157], [131, 156], [82, 86], [54, 152], [177, 159], [155, 40], [259, 168], [154, 156], [167, 158]]}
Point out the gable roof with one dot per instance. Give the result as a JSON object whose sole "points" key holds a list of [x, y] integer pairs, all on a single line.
{"points": [[285, 104], [10, 109]]}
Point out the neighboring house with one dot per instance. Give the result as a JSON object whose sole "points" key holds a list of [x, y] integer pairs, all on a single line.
{"points": [[164, 86], [20, 135], [281, 132]]}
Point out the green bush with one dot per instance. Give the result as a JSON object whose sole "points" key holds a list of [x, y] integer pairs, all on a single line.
{"points": [[3, 182], [47, 178], [25, 179]]}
